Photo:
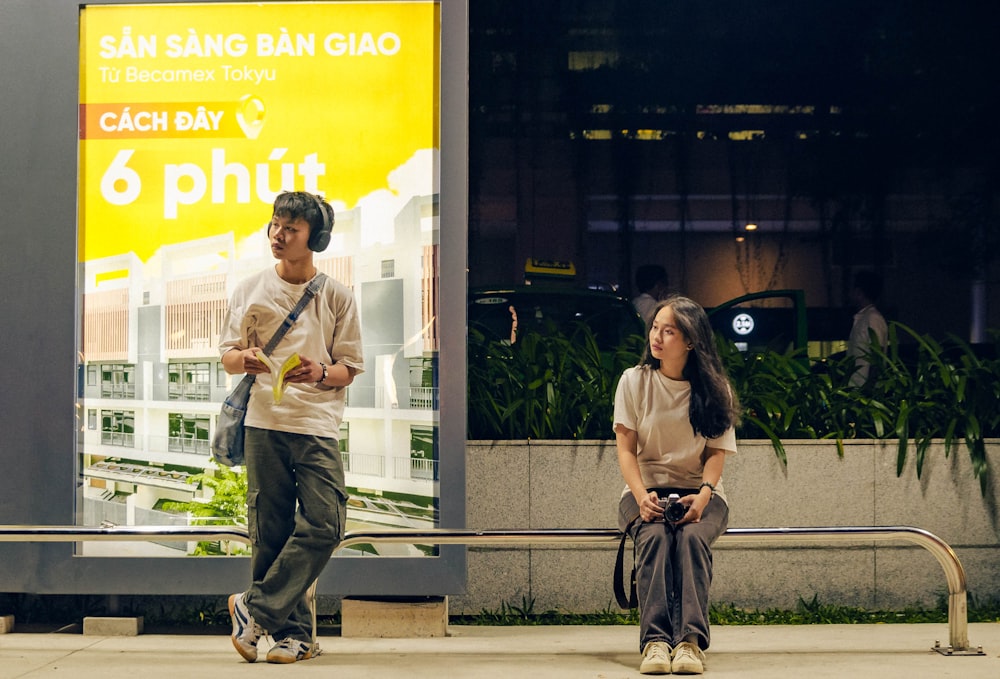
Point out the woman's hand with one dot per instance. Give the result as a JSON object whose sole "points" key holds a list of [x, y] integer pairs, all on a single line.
{"points": [[649, 508], [696, 506]]}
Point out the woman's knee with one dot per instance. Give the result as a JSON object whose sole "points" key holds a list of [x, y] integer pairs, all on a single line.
{"points": [[650, 538], [695, 541], [628, 512]]}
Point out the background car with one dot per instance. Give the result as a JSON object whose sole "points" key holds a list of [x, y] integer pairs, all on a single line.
{"points": [[504, 313]]}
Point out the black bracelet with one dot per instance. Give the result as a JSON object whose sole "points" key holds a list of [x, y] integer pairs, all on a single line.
{"points": [[320, 382], [710, 487]]}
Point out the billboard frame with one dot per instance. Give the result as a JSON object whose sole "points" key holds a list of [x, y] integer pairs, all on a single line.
{"points": [[41, 378]]}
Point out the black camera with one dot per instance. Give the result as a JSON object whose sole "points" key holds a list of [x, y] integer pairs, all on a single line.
{"points": [[673, 509]]}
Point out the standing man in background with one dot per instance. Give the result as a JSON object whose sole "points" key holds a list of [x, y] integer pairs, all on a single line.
{"points": [[653, 285], [868, 322]]}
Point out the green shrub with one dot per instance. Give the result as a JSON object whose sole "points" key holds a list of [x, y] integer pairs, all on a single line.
{"points": [[555, 386], [228, 502], [550, 386]]}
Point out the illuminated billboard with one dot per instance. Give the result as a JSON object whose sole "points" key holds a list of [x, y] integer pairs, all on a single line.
{"points": [[192, 118]]}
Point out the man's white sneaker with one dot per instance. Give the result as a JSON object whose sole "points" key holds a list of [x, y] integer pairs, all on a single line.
{"points": [[688, 659], [290, 650], [246, 631], [655, 658]]}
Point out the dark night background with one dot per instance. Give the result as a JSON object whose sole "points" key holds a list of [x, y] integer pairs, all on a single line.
{"points": [[856, 134]]}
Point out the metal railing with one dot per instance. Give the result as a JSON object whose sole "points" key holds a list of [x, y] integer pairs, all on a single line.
{"points": [[958, 626]]}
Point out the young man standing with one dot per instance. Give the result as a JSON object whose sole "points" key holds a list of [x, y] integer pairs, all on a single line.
{"points": [[296, 495]]}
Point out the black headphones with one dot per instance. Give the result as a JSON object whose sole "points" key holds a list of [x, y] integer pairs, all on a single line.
{"points": [[320, 239]]}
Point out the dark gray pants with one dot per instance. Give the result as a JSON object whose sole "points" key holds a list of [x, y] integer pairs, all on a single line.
{"points": [[296, 511], [673, 572]]}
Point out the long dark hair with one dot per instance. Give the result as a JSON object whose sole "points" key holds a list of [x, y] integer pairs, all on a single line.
{"points": [[714, 405]]}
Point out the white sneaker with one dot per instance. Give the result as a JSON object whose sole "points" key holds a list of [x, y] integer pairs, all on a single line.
{"points": [[655, 658], [688, 659], [290, 650], [246, 631]]}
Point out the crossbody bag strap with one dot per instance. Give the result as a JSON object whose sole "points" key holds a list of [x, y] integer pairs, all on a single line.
{"points": [[314, 285], [630, 600]]}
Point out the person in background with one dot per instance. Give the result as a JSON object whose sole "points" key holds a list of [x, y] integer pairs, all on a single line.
{"points": [[674, 421], [868, 323], [296, 492], [653, 285]]}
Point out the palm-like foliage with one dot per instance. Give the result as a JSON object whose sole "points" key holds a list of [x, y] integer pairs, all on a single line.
{"points": [[550, 386], [555, 386]]}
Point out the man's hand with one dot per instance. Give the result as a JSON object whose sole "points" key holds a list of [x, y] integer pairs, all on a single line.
{"points": [[308, 370], [251, 364]]}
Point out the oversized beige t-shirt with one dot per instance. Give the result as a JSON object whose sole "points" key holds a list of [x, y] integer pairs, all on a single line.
{"points": [[327, 330], [656, 408]]}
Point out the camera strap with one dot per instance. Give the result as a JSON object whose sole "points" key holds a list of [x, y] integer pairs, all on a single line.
{"points": [[630, 600]]}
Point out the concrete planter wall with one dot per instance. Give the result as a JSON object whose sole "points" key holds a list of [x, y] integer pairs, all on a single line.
{"points": [[574, 484]]}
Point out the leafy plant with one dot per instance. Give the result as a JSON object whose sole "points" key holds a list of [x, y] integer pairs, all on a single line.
{"points": [[554, 386], [921, 390], [946, 390], [814, 612], [810, 612], [228, 501], [511, 614], [545, 386]]}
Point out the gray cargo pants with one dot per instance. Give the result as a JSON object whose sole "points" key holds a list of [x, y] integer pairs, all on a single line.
{"points": [[673, 572], [296, 511]]}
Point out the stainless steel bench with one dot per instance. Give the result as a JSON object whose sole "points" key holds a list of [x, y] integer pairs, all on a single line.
{"points": [[958, 642]]}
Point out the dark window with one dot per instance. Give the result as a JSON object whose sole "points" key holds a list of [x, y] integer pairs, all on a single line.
{"points": [[189, 381], [118, 428], [117, 380], [188, 433], [423, 461]]}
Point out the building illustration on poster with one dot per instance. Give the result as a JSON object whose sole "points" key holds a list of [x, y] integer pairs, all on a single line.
{"points": [[180, 162]]}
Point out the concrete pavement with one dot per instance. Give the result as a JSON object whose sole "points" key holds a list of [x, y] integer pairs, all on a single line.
{"points": [[549, 652]]}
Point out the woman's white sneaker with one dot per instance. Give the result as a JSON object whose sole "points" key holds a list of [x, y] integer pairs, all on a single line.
{"points": [[655, 658], [688, 659]]}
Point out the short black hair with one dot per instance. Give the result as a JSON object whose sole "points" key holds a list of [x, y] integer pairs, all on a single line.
{"points": [[648, 275], [296, 204], [869, 283]]}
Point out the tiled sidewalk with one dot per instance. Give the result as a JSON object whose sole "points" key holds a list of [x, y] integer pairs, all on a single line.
{"points": [[552, 652]]}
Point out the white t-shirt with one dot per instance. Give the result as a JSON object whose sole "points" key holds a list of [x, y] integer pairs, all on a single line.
{"points": [[327, 330], [644, 304], [859, 342], [657, 409]]}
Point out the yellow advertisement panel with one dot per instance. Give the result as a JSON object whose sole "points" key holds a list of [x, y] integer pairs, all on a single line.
{"points": [[193, 117]]}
